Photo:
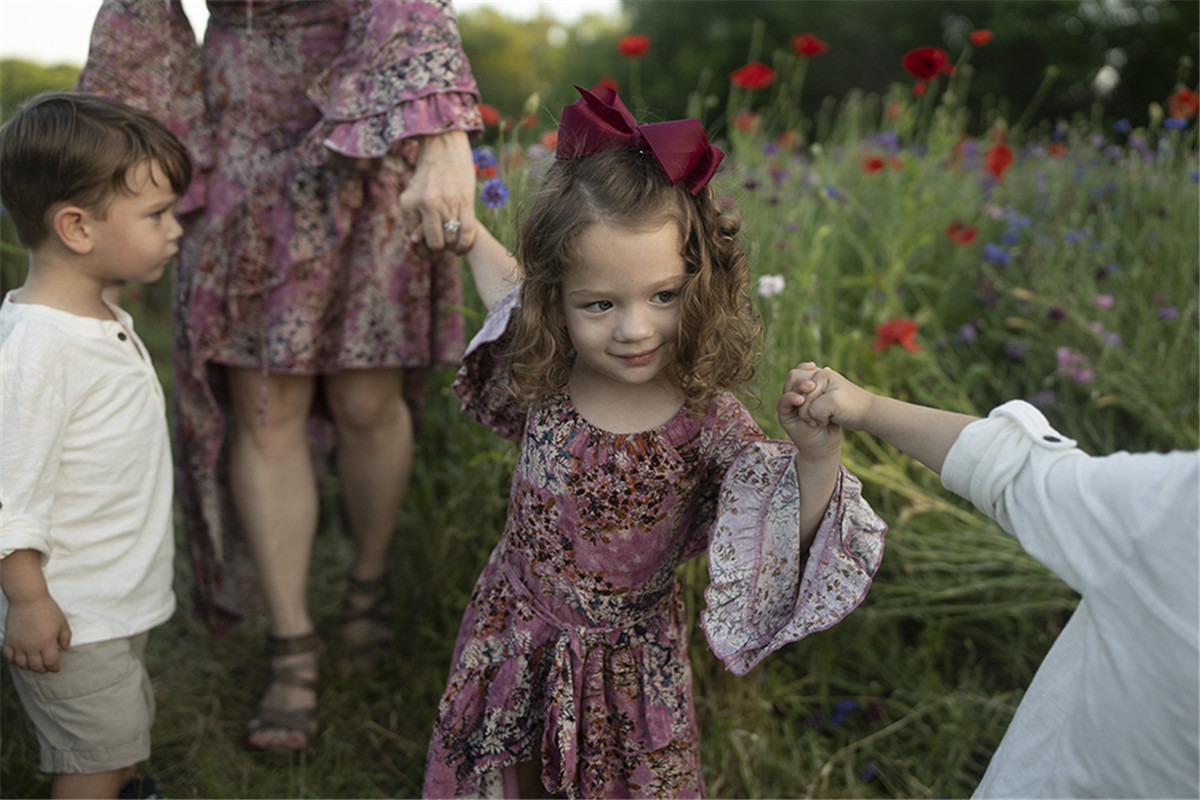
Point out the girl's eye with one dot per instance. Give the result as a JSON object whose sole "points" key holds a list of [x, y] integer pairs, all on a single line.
{"points": [[665, 296], [600, 305]]}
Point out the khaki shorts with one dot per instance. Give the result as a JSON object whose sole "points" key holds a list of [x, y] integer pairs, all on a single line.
{"points": [[95, 713]]}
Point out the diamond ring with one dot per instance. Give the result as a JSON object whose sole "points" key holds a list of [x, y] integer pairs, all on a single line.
{"points": [[451, 227]]}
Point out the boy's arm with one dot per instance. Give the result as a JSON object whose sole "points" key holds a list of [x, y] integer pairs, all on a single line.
{"points": [[822, 397], [35, 626], [494, 269]]}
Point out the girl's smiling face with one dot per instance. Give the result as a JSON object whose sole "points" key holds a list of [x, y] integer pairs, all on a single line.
{"points": [[621, 301]]}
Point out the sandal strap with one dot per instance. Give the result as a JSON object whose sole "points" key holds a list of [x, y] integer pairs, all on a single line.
{"points": [[379, 592], [299, 675], [281, 646]]}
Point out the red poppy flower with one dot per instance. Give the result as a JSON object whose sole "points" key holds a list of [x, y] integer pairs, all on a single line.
{"points": [[490, 114], [873, 164], [981, 37], [999, 158], [808, 46], [789, 140], [1057, 149], [1184, 103], [925, 62], [744, 120], [633, 45], [920, 88], [755, 75], [549, 140], [962, 235], [896, 331], [486, 172], [609, 83], [529, 121]]}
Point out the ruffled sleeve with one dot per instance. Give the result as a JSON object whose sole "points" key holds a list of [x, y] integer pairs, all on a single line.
{"points": [[763, 593], [401, 73], [482, 384], [145, 54]]}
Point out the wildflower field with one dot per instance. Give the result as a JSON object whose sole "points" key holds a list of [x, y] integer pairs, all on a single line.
{"points": [[947, 257]]}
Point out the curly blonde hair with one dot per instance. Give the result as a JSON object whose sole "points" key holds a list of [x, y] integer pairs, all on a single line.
{"points": [[719, 328]]}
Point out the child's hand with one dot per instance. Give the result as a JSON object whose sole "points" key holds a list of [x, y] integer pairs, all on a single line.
{"points": [[821, 397], [34, 631], [815, 437]]}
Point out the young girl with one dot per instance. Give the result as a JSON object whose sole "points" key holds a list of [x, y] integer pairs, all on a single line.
{"points": [[612, 366]]}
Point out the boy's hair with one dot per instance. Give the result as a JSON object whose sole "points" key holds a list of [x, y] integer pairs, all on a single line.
{"points": [[719, 326], [76, 148]]}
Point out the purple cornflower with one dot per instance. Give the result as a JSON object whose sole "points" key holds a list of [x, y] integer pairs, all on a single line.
{"points": [[1175, 123], [1123, 126], [841, 710], [1074, 237], [1103, 301], [495, 193], [1016, 349], [967, 332], [995, 254], [1168, 312], [484, 158], [1074, 365]]}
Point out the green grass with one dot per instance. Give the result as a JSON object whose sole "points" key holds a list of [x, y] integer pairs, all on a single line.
{"points": [[935, 661]]}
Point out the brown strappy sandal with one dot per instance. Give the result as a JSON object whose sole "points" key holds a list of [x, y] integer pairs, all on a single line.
{"points": [[298, 724], [368, 648]]}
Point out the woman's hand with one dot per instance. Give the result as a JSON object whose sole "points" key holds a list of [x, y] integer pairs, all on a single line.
{"points": [[439, 202]]}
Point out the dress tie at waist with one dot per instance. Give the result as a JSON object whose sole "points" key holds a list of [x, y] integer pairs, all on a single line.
{"points": [[561, 752]]}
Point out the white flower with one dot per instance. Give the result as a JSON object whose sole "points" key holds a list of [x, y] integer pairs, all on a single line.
{"points": [[770, 285]]}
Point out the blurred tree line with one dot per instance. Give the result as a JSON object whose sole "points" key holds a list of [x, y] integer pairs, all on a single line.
{"points": [[1109, 58]]}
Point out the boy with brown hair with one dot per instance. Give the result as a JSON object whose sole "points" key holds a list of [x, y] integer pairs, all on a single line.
{"points": [[86, 537]]}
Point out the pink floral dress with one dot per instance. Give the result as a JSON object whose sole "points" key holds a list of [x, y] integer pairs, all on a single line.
{"points": [[300, 118], [573, 649]]}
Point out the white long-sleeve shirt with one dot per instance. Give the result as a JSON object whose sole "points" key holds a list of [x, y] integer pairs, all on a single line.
{"points": [[85, 468], [1112, 711]]}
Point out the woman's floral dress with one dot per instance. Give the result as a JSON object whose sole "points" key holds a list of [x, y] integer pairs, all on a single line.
{"points": [[300, 118], [573, 648]]}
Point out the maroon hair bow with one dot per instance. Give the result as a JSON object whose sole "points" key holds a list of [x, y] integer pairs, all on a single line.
{"points": [[598, 121]]}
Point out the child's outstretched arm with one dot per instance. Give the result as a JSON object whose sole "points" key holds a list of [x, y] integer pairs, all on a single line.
{"points": [[35, 626], [821, 398], [494, 269]]}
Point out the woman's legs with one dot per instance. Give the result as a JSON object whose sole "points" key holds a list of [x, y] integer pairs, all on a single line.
{"points": [[374, 459], [374, 463], [275, 493]]}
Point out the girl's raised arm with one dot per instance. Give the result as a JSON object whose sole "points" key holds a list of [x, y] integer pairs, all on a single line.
{"points": [[493, 268]]}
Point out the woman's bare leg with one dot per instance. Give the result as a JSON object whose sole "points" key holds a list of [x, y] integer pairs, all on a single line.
{"points": [[374, 459], [374, 463], [275, 494]]}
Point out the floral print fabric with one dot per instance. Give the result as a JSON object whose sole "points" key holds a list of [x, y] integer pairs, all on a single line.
{"points": [[573, 648], [294, 260]]}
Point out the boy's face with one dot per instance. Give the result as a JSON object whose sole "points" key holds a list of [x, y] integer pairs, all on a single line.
{"points": [[137, 237]]}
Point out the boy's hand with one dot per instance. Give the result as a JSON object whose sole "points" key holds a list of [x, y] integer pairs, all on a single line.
{"points": [[34, 631], [819, 397]]}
